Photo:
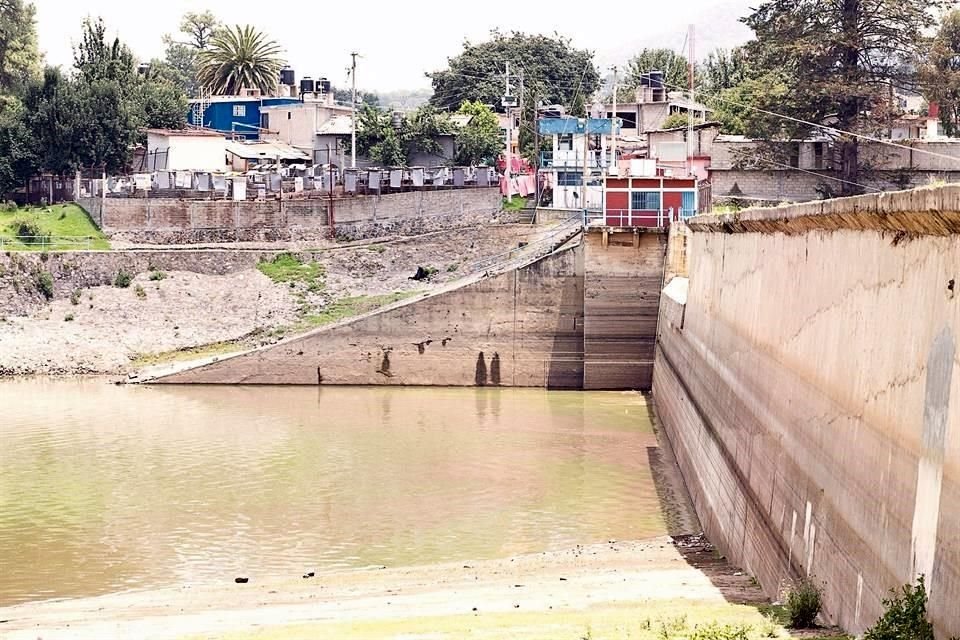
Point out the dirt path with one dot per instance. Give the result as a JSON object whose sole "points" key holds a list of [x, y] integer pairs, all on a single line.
{"points": [[658, 573]]}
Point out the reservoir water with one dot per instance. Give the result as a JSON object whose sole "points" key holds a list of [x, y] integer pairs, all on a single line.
{"points": [[107, 488]]}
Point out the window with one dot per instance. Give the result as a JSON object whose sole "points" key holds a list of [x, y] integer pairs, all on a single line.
{"points": [[818, 148], [629, 119], [239, 111], [645, 200], [264, 120], [289, 115], [794, 151], [565, 142], [569, 179], [689, 207]]}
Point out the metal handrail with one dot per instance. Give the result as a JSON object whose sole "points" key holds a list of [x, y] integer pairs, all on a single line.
{"points": [[46, 243], [568, 226]]}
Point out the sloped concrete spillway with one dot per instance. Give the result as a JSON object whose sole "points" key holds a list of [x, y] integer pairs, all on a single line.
{"points": [[519, 323], [809, 382]]}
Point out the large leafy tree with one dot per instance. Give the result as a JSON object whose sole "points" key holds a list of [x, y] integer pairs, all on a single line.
{"points": [[723, 69], [18, 159], [237, 58], [553, 70], [19, 56], [837, 61], [940, 74], [478, 142]]}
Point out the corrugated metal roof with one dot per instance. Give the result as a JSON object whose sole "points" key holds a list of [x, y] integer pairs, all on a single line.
{"points": [[265, 151], [340, 125]]}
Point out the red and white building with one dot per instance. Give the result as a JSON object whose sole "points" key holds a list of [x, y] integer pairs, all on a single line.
{"points": [[647, 201]]}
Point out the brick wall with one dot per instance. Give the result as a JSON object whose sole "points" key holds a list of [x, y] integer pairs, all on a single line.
{"points": [[799, 186], [163, 220]]}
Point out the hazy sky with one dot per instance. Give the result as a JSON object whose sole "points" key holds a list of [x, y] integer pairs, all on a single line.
{"points": [[400, 40]]}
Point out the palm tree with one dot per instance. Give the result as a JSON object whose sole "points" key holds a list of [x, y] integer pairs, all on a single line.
{"points": [[239, 58]]}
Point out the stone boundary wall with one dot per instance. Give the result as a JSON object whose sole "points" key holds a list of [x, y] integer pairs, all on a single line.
{"points": [[521, 328], [176, 221], [810, 385], [786, 185]]}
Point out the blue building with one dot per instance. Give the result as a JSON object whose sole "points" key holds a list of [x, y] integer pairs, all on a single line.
{"points": [[236, 115]]}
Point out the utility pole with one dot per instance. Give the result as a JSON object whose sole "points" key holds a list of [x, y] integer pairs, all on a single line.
{"points": [[692, 73], [586, 166], [613, 129], [506, 154], [353, 110]]}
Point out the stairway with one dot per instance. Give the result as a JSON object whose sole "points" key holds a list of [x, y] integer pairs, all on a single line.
{"points": [[527, 216]]}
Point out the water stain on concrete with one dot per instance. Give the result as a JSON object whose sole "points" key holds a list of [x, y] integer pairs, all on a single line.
{"points": [[495, 369], [481, 375]]}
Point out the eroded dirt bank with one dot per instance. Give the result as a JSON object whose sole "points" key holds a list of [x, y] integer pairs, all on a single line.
{"points": [[92, 326]]}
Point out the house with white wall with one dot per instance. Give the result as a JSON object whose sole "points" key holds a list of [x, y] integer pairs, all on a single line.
{"points": [[185, 150]]}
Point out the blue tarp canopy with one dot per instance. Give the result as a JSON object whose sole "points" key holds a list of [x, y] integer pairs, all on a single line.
{"points": [[556, 126]]}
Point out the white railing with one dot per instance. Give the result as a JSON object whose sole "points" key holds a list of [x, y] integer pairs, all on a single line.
{"points": [[46, 243]]}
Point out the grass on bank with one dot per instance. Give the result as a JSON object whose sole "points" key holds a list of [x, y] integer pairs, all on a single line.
{"points": [[353, 306], [188, 353], [67, 221], [286, 267], [648, 620], [516, 204]]}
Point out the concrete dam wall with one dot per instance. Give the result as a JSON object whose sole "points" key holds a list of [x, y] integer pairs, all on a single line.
{"points": [[582, 317], [807, 375]]}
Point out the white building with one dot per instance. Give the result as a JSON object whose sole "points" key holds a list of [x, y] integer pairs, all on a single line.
{"points": [[185, 150], [315, 127]]}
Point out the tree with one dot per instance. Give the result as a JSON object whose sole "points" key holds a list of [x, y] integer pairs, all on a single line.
{"points": [[673, 65], [675, 121], [52, 116], [180, 60], [392, 139], [940, 75], [478, 142], [200, 27], [552, 69], [238, 58], [18, 160], [19, 56], [838, 60], [97, 58], [723, 69]]}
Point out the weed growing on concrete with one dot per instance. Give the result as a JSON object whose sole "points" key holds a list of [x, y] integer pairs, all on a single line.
{"points": [[123, 279], [156, 276], [68, 317], [141, 293], [377, 248], [75, 297], [905, 615], [716, 631], [453, 266], [803, 602], [45, 284]]}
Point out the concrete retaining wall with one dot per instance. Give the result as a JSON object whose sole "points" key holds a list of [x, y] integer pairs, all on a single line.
{"points": [[523, 328], [810, 384], [167, 220]]}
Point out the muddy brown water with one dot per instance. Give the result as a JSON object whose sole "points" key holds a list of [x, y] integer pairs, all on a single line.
{"points": [[106, 488]]}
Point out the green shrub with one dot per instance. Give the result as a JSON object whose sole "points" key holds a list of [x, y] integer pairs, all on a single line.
{"points": [[45, 284], [803, 603], [29, 231], [141, 293], [68, 317], [453, 266], [123, 279], [905, 616], [156, 276], [75, 297], [716, 631]]}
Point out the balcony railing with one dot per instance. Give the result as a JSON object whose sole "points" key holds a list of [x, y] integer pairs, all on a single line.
{"points": [[638, 218], [572, 160]]}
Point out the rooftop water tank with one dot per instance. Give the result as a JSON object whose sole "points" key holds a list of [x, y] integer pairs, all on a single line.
{"points": [[288, 77], [307, 85], [324, 86]]}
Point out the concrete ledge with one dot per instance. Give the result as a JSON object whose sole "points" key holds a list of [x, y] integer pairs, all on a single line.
{"points": [[925, 211]]}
